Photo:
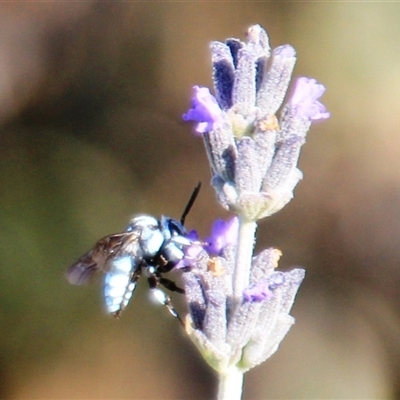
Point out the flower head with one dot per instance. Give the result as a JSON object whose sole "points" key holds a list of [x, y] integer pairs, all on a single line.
{"points": [[239, 334], [253, 152]]}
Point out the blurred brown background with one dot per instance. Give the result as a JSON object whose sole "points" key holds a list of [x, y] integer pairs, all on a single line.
{"points": [[91, 98]]}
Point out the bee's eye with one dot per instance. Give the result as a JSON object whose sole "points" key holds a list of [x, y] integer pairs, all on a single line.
{"points": [[176, 228]]}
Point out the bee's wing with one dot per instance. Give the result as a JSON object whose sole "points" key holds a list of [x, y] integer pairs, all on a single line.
{"points": [[83, 270], [98, 258]]}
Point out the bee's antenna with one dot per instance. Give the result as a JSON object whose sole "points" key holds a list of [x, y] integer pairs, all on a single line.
{"points": [[190, 202]]}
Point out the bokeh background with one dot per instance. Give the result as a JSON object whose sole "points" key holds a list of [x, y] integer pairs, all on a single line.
{"points": [[91, 98]]}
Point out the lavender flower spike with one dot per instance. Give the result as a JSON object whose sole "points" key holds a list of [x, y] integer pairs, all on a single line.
{"points": [[252, 151], [238, 303]]}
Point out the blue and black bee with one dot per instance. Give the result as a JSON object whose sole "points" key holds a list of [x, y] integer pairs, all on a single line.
{"points": [[149, 245]]}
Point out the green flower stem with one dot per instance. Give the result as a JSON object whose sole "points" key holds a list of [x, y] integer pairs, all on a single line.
{"points": [[230, 385], [244, 254]]}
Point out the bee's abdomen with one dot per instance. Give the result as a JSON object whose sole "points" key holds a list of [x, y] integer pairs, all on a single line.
{"points": [[118, 287]]}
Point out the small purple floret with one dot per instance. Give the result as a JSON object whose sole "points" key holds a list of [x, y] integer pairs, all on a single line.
{"points": [[192, 235], [222, 234], [307, 91], [191, 256], [278, 279], [191, 252], [205, 110], [258, 292]]}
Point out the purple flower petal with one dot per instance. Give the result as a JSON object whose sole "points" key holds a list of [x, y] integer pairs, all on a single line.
{"points": [[222, 234], [192, 235], [258, 292], [277, 279], [307, 91], [191, 256], [205, 110], [193, 251]]}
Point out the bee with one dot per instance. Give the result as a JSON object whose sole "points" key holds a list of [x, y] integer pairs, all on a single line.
{"points": [[149, 245]]}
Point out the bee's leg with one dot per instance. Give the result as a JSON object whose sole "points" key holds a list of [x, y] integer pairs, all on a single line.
{"points": [[164, 265], [161, 297], [170, 285]]}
